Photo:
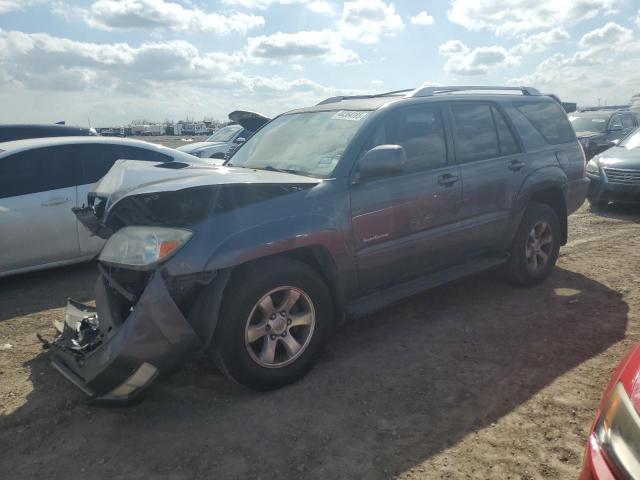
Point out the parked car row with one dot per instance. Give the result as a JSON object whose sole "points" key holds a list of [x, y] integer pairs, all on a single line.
{"points": [[600, 129]]}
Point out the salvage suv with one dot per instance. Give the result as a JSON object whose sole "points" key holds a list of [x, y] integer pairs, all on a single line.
{"points": [[327, 213]]}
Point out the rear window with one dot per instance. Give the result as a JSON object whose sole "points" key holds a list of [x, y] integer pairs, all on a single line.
{"points": [[549, 119]]}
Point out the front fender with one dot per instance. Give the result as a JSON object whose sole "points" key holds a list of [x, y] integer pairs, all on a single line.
{"points": [[280, 236]]}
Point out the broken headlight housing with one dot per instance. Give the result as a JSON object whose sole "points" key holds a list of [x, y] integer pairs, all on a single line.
{"points": [[593, 168], [143, 247], [618, 433]]}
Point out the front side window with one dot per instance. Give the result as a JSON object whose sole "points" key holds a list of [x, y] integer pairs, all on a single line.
{"points": [[310, 143], [616, 122], [37, 170], [474, 132], [419, 130], [628, 121]]}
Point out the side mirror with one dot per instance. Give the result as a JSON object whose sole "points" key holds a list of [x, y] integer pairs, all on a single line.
{"points": [[382, 160], [241, 140]]}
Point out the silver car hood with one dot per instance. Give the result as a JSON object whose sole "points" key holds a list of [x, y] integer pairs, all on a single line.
{"points": [[135, 177]]}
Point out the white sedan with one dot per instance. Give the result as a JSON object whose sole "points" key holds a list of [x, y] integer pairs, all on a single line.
{"points": [[41, 180]]}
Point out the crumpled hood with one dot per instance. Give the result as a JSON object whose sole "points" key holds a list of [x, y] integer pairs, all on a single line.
{"points": [[620, 157], [134, 177], [192, 147]]}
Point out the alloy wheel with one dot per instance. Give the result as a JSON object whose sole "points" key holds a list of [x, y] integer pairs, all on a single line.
{"points": [[539, 246], [280, 327]]}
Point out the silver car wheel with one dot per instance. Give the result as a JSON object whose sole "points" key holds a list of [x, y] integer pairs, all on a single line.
{"points": [[539, 246], [280, 327]]}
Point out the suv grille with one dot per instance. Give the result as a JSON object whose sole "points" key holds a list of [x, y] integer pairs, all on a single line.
{"points": [[627, 177]]}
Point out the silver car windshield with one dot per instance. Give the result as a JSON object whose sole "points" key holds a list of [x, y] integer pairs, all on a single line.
{"points": [[310, 143], [588, 124], [224, 134]]}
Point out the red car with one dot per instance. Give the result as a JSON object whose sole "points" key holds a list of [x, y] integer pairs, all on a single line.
{"points": [[613, 449]]}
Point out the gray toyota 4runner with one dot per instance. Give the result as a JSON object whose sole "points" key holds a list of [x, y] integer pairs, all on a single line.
{"points": [[328, 212]]}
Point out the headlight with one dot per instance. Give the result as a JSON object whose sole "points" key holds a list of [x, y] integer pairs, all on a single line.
{"points": [[593, 168], [143, 246], [618, 433]]}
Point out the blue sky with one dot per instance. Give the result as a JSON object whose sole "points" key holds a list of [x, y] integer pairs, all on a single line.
{"points": [[111, 61]]}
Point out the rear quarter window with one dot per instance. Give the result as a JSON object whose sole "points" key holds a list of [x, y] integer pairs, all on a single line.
{"points": [[550, 120]]}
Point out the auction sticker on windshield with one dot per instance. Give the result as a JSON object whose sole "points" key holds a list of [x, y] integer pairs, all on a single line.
{"points": [[354, 116]]}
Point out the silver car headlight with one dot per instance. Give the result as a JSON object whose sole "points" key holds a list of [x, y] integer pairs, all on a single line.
{"points": [[618, 433], [142, 247], [593, 168]]}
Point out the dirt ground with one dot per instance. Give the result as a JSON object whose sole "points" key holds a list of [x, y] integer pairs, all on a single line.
{"points": [[477, 379]]}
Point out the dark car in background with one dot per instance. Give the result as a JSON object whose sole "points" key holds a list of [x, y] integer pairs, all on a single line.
{"points": [[9, 133], [599, 129], [615, 173], [326, 213]]}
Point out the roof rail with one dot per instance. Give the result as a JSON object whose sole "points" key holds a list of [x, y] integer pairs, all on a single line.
{"points": [[361, 97], [605, 107], [431, 91]]}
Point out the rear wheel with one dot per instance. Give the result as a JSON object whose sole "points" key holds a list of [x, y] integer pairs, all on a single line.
{"points": [[275, 319], [536, 246]]}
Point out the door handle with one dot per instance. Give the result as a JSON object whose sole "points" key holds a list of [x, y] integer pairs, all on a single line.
{"points": [[516, 165], [447, 179], [55, 201]]}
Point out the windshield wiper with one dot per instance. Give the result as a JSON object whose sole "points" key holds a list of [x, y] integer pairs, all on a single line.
{"points": [[271, 168]]}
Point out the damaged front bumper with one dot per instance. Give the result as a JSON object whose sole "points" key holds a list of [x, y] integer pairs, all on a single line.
{"points": [[115, 351]]}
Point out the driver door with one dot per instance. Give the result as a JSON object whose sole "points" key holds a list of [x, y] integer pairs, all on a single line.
{"points": [[402, 224]]}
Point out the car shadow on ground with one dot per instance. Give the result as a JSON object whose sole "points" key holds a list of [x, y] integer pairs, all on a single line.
{"points": [[47, 289], [619, 211], [391, 391]]}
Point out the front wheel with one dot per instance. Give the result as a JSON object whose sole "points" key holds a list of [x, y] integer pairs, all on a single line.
{"points": [[536, 246], [276, 317]]}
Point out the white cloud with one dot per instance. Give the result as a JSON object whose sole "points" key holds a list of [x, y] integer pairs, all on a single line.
{"points": [[159, 15], [538, 42], [42, 75], [608, 36], [365, 21], [452, 47], [7, 6], [423, 18], [606, 68], [479, 61], [522, 16], [262, 4], [323, 44], [638, 19], [321, 6]]}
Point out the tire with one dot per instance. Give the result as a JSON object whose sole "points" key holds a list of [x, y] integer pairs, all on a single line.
{"points": [[522, 268], [243, 346]]}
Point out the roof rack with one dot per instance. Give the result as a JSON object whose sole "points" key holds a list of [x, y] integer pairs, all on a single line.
{"points": [[431, 91], [362, 97], [605, 107]]}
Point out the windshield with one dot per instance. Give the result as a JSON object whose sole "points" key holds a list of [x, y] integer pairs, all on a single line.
{"points": [[307, 143], [224, 134], [632, 140], [588, 124]]}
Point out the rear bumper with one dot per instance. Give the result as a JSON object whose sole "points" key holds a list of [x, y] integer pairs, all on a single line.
{"points": [[602, 190], [576, 194], [154, 338]]}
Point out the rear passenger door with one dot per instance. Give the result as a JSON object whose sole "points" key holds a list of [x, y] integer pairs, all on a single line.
{"points": [[95, 161], [37, 191], [402, 224], [492, 168]]}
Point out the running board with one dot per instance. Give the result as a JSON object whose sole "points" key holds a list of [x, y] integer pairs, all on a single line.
{"points": [[378, 300]]}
